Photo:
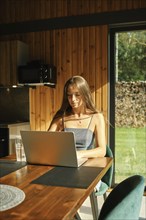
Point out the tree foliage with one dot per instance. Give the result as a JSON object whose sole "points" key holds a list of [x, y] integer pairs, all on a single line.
{"points": [[131, 56]]}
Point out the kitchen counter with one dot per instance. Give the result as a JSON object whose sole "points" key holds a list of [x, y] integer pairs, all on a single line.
{"points": [[13, 132], [12, 124], [18, 124]]}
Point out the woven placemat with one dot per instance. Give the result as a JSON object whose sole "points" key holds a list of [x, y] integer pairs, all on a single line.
{"points": [[10, 196]]}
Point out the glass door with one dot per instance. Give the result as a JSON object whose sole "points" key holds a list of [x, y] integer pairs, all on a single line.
{"points": [[129, 106]]}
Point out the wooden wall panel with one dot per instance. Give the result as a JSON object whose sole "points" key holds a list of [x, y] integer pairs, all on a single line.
{"points": [[98, 76], [32, 107], [92, 48], [86, 53], [24, 10], [69, 53], [104, 70]]}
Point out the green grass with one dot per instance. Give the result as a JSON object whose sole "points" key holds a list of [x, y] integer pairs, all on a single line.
{"points": [[130, 152]]}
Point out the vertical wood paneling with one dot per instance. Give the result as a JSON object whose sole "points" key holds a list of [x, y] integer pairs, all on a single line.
{"points": [[64, 52], [98, 76], [75, 51], [53, 9], [123, 4], [47, 46], [129, 4], [42, 108], [42, 45], [13, 62], [32, 109], [16, 10], [43, 9], [37, 109], [2, 67], [69, 53], [104, 43], [61, 66], [48, 107], [84, 7], [98, 6], [104, 5], [80, 52], [74, 7], [86, 53], [92, 61], [37, 46]]}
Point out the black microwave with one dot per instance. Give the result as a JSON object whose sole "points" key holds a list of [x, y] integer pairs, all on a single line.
{"points": [[37, 75]]}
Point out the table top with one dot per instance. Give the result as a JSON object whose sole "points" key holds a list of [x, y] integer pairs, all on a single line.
{"points": [[49, 202]]}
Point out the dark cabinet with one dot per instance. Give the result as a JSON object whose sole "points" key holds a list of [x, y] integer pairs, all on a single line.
{"points": [[4, 142], [12, 54]]}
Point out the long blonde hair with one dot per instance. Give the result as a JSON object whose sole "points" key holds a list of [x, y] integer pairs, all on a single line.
{"points": [[84, 90]]}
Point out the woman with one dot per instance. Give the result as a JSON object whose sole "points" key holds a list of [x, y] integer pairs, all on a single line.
{"points": [[79, 115]]}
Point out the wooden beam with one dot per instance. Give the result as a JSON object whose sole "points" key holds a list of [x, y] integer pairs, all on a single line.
{"points": [[116, 17]]}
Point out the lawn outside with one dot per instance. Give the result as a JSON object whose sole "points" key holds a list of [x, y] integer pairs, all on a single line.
{"points": [[130, 152]]}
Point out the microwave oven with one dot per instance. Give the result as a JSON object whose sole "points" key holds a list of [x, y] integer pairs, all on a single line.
{"points": [[37, 75]]}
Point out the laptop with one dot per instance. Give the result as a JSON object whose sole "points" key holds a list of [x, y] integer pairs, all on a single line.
{"points": [[51, 148]]}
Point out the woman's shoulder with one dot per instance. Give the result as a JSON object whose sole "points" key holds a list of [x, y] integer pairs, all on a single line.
{"points": [[58, 120], [95, 115], [56, 124], [98, 116]]}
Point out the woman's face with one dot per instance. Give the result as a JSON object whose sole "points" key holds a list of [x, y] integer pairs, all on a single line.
{"points": [[74, 97]]}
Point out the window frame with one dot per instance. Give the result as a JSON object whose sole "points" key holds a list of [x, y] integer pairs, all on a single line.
{"points": [[113, 29]]}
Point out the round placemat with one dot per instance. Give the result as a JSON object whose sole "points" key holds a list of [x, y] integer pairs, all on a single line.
{"points": [[10, 196]]}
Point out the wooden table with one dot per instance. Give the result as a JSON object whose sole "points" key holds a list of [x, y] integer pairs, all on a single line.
{"points": [[49, 202]]}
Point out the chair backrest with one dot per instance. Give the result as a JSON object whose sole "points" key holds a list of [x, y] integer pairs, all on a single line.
{"points": [[107, 178], [124, 202]]}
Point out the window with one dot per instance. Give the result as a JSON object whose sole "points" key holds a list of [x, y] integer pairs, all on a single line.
{"points": [[127, 95]]}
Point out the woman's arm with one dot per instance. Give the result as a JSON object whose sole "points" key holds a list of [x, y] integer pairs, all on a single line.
{"points": [[100, 139], [56, 125]]}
